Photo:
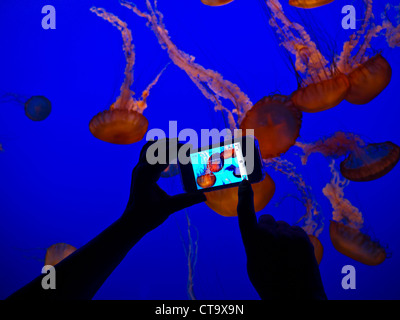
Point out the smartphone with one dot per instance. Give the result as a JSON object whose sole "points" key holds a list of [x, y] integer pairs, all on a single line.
{"points": [[223, 165]]}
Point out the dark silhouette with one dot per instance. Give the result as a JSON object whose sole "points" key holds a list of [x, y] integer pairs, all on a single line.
{"points": [[81, 275], [280, 258]]}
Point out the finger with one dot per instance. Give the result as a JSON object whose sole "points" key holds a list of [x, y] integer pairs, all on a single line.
{"points": [[184, 200], [245, 209]]}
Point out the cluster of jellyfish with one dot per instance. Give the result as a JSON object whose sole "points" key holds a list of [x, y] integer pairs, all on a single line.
{"points": [[37, 108], [353, 75]]}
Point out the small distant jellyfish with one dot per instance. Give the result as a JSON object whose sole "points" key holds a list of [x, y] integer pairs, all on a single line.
{"points": [[56, 253], [216, 3], [345, 228], [276, 123], [309, 4], [124, 123], [37, 108], [363, 162]]}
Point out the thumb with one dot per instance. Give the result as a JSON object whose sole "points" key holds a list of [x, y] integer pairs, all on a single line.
{"points": [[246, 213]]}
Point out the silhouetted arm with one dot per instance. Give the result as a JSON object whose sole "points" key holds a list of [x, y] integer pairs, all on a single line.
{"points": [[280, 258], [81, 274]]}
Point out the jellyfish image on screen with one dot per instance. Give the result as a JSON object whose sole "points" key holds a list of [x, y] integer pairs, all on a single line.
{"points": [[353, 75], [346, 226], [211, 84], [171, 171], [228, 153], [56, 253], [216, 3], [392, 32], [37, 108], [124, 122], [363, 162], [309, 4]]}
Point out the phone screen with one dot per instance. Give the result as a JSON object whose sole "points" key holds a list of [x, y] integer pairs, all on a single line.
{"points": [[219, 166]]}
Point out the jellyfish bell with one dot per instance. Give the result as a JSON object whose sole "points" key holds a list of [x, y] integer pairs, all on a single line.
{"points": [[276, 123], [369, 80], [356, 245], [57, 252], [321, 85], [119, 126], [309, 4], [318, 248], [225, 201], [370, 162], [38, 108], [321, 96], [216, 3]]}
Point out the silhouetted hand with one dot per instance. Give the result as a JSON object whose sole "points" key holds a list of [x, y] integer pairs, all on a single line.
{"points": [[280, 258], [149, 206]]}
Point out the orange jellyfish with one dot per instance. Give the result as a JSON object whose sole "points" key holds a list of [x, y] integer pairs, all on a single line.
{"points": [[347, 221], [309, 4], [171, 171], [358, 78], [57, 252], [370, 162], [124, 123], [216, 3], [214, 87], [363, 162], [276, 123], [312, 220]]}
